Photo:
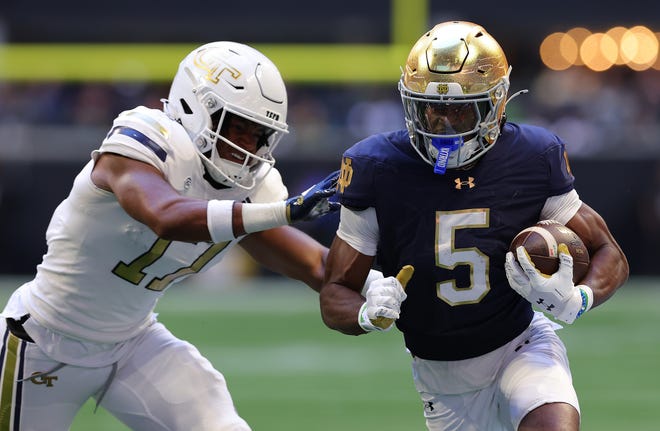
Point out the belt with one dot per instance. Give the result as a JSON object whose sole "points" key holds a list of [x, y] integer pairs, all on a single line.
{"points": [[16, 328]]}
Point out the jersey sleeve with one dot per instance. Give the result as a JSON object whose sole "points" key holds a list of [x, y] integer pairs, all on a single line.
{"points": [[562, 207], [356, 182], [561, 179], [360, 230]]}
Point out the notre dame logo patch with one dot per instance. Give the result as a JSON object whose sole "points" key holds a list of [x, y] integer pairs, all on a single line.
{"points": [[346, 174]]}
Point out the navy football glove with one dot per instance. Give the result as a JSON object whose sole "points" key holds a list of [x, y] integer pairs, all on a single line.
{"points": [[313, 202]]}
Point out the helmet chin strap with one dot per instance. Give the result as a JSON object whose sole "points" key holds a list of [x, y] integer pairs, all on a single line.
{"points": [[445, 147]]}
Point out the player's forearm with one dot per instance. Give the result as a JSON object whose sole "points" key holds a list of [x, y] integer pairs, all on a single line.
{"points": [[340, 308], [290, 252], [608, 268], [229, 219], [608, 271], [192, 220], [180, 220]]}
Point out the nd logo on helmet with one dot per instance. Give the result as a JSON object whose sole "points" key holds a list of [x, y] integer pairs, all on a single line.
{"points": [[346, 174], [442, 88]]}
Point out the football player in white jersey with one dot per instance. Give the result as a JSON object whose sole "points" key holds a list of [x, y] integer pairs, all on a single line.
{"points": [[165, 196]]}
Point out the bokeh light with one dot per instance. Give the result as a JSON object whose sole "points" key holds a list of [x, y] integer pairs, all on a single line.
{"points": [[636, 48], [598, 52]]}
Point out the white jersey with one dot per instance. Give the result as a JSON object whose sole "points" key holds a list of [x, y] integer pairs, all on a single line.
{"points": [[104, 271]]}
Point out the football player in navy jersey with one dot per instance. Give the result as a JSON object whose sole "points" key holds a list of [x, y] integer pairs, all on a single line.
{"points": [[446, 196], [164, 197]]}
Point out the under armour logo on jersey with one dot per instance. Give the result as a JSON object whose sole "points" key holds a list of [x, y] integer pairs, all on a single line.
{"points": [[42, 379], [460, 184]]}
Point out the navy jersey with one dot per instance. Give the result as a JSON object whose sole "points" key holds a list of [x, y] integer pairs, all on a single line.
{"points": [[455, 229]]}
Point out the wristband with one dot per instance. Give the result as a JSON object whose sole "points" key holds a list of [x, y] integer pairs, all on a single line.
{"points": [[219, 220], [364, 322], [587, 299], [258, 217]]}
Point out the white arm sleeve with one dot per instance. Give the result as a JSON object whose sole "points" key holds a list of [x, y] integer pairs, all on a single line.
{"points": [[359, 229], [561, 208]]}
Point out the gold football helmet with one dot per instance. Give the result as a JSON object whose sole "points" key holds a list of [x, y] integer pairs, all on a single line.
{"points": [[454, 89]]}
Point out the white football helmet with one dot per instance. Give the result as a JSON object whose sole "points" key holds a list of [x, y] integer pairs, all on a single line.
{"points": [[216, 81], [454, 89]]}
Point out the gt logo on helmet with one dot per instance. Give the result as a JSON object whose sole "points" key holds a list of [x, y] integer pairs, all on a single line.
{"points": [[214, 68]]}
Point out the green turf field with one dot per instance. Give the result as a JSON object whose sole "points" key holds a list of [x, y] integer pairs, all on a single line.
{"points": [[287, 371]]}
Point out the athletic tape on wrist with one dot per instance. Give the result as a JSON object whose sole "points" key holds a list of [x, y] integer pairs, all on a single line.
{"points": [[219, 220], [587, 299], [364, 322], [258, 217]]}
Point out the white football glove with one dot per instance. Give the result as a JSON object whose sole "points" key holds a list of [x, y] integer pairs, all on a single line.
{"points": [[373, 275], [384, 298], [554, 294]]}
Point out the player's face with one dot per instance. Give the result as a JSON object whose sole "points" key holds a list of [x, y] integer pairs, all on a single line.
{"points": [[244, 133], [450, 118]]}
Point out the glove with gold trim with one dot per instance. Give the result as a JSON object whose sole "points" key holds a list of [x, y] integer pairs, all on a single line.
{"points": [[313, 202], [383, 305]]}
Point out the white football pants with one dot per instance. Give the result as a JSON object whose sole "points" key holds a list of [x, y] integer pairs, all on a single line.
{"points": [[161, 383], [495, 391]]}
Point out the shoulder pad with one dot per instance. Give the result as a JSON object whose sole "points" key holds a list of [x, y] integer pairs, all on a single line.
{"points": [[148, 135]]}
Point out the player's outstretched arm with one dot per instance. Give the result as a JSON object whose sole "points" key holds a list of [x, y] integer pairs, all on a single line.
{"points": [[144, 193], [255, 217], [289, 252], [294, 254]]}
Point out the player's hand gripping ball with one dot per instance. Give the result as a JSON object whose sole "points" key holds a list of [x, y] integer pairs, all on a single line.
{"points": [[545, 264], [541, 242]]}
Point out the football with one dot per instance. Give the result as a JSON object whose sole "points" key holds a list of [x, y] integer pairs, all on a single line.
{"points": [[541, 241]]}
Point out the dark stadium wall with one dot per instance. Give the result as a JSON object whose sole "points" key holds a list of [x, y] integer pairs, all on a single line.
{"points": [[622, 191]]}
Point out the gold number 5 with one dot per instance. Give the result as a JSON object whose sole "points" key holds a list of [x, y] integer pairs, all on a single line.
{"points": [[449, 257]]}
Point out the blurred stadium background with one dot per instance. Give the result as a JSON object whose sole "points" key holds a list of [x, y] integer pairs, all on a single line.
{"points": [[68, 68]]}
